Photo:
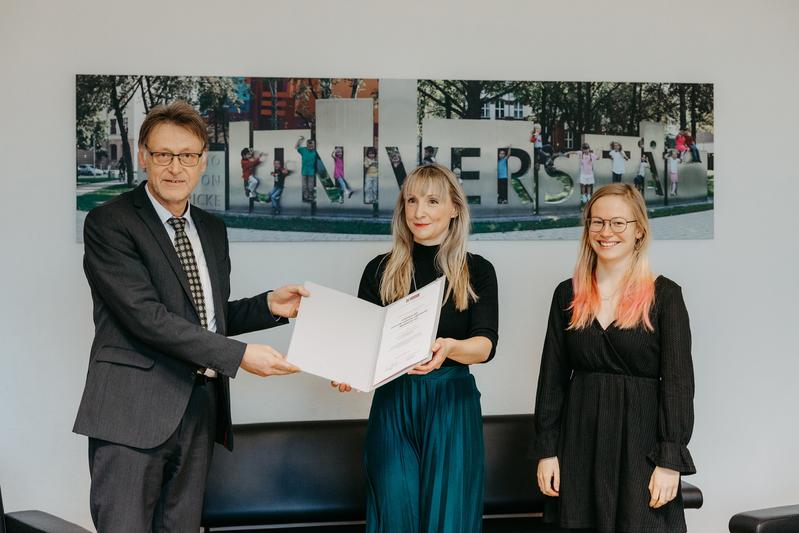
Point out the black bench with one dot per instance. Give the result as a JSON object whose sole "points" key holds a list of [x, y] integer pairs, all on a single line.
{"points": [[310, 474], [35, 522]]}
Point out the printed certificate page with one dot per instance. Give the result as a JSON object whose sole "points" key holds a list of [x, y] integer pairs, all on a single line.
{"points": [[409, 331], [343, 338], [337, 336]]}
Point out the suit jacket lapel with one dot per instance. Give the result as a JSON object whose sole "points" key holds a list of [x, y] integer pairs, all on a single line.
{"points": [[147, 213], [211, 251]]}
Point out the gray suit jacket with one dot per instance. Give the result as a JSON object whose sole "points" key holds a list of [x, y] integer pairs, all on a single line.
{"points": [[148, 340]]}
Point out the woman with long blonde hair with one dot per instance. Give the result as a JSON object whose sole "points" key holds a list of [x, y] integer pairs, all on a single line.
{"points": [[424, 443], [614, 405]]}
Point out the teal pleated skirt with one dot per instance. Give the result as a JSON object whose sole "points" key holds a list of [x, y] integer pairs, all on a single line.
{"points": [[424, 455]]}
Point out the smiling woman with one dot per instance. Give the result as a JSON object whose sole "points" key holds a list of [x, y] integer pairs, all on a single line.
{"points": [[424, 442], [614, 405]]}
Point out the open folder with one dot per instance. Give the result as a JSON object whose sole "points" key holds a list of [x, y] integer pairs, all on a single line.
{"points": [[349, 340]]}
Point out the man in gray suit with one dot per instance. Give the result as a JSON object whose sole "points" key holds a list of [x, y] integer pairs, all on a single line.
{"points": [[157, 394]]}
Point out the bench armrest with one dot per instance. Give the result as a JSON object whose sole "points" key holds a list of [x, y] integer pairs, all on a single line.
{"points": [[39, 522], [773, 520], [691, 496]]}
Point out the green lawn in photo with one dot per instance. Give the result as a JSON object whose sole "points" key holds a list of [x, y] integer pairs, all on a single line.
{"points": [[307, 224], [88, 201], [383, 226], [94, 179]]}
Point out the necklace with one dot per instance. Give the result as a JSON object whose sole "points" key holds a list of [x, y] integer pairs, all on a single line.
{"points": [[610, 297]]}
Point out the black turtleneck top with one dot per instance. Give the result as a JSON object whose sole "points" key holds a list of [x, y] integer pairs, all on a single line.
{"points": [[479, 319]]}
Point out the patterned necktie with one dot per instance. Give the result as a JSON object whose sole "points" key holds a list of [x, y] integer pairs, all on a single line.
{"points": [[189, 264]]}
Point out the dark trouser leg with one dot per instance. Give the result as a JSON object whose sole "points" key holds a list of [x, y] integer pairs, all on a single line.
{"points": [[125, 485], [134, 490], [502, 191], [308, 186], [277, 192], [181, 503], [616, 178]]}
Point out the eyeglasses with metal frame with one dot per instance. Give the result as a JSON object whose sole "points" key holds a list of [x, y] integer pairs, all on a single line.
{"points": [[186, 159], [617, 224]]}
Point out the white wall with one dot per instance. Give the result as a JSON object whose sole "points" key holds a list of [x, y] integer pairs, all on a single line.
{"points": [[741, 287]]}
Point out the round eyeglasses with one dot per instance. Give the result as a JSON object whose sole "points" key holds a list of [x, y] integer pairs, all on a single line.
{"points": [[617, 224]]}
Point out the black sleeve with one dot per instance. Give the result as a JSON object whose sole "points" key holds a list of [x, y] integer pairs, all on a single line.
{"points": [[484, 313], [369, 288], [553, 380], [676, 398]]}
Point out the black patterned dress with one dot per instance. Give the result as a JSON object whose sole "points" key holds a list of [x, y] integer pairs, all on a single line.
{"points": [[611, 405]]}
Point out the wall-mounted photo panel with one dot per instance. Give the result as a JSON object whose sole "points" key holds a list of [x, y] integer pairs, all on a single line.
{"points": [[326, 157]]}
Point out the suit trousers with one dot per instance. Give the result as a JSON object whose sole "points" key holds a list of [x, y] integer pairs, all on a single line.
{"points": [[160, 489]]}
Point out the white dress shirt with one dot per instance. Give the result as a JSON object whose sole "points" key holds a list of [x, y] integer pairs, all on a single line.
{"points": [[199, 256]]}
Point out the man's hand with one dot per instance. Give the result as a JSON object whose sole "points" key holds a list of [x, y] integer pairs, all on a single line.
{"points": [[285, 301], [263, 360], [663, 486]]}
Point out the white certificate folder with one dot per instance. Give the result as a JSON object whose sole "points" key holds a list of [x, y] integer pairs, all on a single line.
{"points": [[349, 340]]}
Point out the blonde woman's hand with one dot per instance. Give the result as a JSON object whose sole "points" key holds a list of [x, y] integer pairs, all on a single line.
{"points": [[342, 387], [441, 349], [663, 486], [548, 475]]}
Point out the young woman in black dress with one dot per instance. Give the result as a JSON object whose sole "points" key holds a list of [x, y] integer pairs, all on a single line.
{"points": [[614, 406]]}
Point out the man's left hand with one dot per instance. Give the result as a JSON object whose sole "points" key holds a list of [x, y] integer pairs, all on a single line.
{"points": [[285, 301]]}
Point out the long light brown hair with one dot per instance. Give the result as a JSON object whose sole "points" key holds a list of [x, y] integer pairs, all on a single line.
{"points": [[451, 256], [637, 291]]}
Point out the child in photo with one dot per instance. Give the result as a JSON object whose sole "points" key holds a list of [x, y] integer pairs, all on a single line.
{"points": [[370, 176], [674, 177], [250, 160], [691, 144], [587, 180], [429, 155], [338, 174], [681, 143], [457, 171], [308, 155], [541, 152], [640, 178], [279, 173], [502, 175], [619, 157]]}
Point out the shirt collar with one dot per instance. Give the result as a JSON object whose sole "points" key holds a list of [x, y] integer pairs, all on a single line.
{"points": [[163, 213]]}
